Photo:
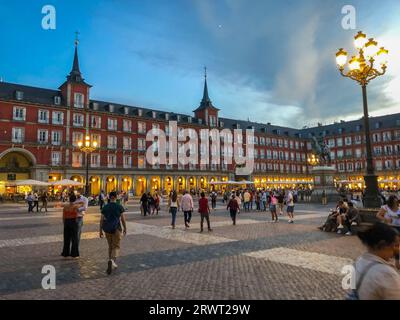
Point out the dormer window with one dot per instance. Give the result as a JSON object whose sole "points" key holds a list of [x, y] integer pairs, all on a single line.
{"points": [[377, 125], [95, 106], [111, 108], [190, 119], [140, 112], [79, 99], [154, 114], [57, 100], [167, 116], [200, 121], [221, 124], [178, 118], [19, 95]]}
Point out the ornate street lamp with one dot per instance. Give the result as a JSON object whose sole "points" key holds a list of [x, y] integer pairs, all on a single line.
{"points": [[87, 146], [369, 63]]}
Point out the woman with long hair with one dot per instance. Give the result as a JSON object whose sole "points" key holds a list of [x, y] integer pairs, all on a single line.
{"points": [[173, 205]]}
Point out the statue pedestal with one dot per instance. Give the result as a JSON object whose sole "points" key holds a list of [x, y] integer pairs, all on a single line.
{"points": [[323, 183]]}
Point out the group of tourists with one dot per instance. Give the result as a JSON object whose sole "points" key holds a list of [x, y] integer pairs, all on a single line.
{"points": [[150, 204], [103, 198], [38, 200]]}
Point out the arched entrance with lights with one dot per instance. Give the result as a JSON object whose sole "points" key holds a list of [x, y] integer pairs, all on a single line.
{"points": [[140, 186], [15, 164], [192, 184], [181, 185], [213, 187], [111, 184], [126, 183], [168, 184], [94, 185], [203, 183], [155, 184]]}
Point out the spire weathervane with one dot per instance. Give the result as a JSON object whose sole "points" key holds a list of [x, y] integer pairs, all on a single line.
{"points": [[205, 72], [76, 38]]}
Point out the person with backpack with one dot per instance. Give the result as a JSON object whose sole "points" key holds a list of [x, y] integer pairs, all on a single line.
{"points": [[112, 216], [376, 276], [102, 199], [233, 208]]}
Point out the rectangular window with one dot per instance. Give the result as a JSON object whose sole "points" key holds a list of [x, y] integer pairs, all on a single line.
{"points": [[112, 124], [56, 138], [348, 141], [76, 137], [141, 144], [358, 153], [43, 116], [78, 120], [339, 142], [79, 99], [340, 154], [357, 139], [19, 113], [58, 117], [43, 136], [17, 135], [387, 136], [77, 159], [127, 161], [141, 162], [111, 161], [95, 160], [142, 127], [127, 143], [112, 142], [95, 122], [96, 137], [127, 125], [55, 158]]}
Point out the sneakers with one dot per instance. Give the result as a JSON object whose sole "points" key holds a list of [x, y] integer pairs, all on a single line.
{"points": [[290, 221], [348, 233], [340, 226], [354, 223], [339, 232], [114, 265]]}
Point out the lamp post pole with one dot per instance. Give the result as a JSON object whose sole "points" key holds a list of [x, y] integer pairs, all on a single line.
{"points": [[87, 174], [87, 146], [362, 68]]}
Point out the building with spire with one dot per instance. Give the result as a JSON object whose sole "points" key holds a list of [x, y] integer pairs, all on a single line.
{"points": [[40, 130]]}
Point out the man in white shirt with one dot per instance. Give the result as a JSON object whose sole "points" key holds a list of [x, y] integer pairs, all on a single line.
{"points": [[187, 207]]}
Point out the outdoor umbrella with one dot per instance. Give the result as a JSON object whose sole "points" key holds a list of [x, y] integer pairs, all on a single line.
{"points": [[67, 182], [30, 182]]}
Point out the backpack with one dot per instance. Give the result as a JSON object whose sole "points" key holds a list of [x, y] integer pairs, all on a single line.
{"points": [[353, 294], [110, 223]]}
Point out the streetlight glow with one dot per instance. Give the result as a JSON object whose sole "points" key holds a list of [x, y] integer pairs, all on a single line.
{"points": [[341, 57], [360, 40], [371, 48]]}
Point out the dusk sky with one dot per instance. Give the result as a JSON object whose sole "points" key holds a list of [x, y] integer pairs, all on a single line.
{"points": [[269, 61]]}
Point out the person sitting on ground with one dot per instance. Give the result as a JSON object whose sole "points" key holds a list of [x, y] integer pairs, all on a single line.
{"points": [[390, 212], [376, 276], [332, 222], [350, 218]]}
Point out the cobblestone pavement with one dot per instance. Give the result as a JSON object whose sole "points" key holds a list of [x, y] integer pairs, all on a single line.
{"points": [[255, 259]]}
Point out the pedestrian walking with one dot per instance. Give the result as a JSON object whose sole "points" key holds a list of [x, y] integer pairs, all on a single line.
{"points": [[112, 216], [71, 241], [272, 207], [204, 210], [281, 199], [44, 199], [173, 205], [36, 201], [187, 208], [156, 199], [29, 200], [233, 208], [290, 206], [143, 202], [82, 203], [101, 199], [213, 200]]}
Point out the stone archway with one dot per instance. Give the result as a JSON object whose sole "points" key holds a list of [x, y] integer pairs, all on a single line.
{"points": [[16, 164]]}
